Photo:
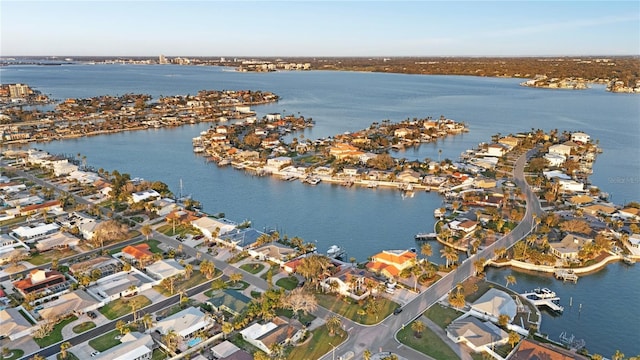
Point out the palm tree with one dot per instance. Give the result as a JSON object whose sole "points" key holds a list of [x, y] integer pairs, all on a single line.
{"points": [[122, 327], [450, 254], [366, 355], [147, 320], [417, 327], [510, 280], [426, 250], [63, 349], [618, 355], [514, 339], [188, 270], [171, 340], [146, 230], [227, 328], [503, 319], [235, 277], [333, 323], [37, 357], [479, 265]]}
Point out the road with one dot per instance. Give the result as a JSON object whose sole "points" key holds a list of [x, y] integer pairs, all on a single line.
{"points": [[382, 335]]}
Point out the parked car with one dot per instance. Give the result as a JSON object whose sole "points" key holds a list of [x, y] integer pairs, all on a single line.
{"points": [[397, 311], [95, 353], [92, 315]]}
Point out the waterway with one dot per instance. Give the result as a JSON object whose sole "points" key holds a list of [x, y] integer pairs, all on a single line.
{"points": [[365, 221]]}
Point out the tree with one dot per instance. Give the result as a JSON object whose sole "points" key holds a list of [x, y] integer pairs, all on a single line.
{"points": [[300, 300], [37, 357], [207, 268], [122, 327], [169, 284], [366, 355], [171, 340], [618, 355], [108, 231], [514, 339], [426, 250], [146, 231], [333, 324], [450, 254], [147, 321], [188, 270], [227, 328], [479, 265], [235, 277], [503, 320], [63, 349], [314, 268], [511, 280], [218, 284], [417, 327]]}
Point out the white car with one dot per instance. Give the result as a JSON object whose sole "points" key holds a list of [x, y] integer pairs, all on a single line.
{"points": [[95, 353]]}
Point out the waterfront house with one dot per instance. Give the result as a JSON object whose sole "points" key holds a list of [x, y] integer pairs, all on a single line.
{"points": [[348, 283], [494, 303], [560, 149], [510, 141], [599, 209], [478, 335], [580, 137], [409, 176], [276, 252], [569, 246], [570, 185], [133, 345], [41, 281], [391, 262], [144, 195], [180, 216], [554, 159], [465, 226], [581, 199], [13, 324], [344, 151], [278, 163], [630, 213], [210, 226], [496, 150], [231, 301], [533, 350], [292, 265], [185, 323]]}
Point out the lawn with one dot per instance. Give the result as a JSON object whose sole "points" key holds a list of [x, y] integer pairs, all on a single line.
{"points": [[106, 341], [78, 329], [429, 343], [158, 355], [349, 309], [319, 344], [443, 316], [55, 335], [70, 356], [120, 307], [252, 268], [16, 220], [180, 230], [153, 246], [303, 318], [46, 257], [288, 283], [196, 279], [13, 354], [275, 268]]}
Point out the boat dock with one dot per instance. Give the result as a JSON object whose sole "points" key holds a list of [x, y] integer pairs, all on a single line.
{"points": [[426, 236], [544, 297], [566, 275]]}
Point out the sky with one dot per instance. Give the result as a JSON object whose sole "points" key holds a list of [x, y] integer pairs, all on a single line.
{"points": [[318, 28]]}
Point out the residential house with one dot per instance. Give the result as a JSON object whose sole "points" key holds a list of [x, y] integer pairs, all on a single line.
{"points": [[560, 149], [144, 195], [409, 176], [510, 141], [569, 246], [41, 281], [224, 349], [231, 301], [494, 303], [180, 216], [133, 346], [274, 251], [391, 262], [533, 350], [105, 264], [630, 213], [570, 185], [580, 137], [348, 283], [344, 151], [209, 226], [465, 226], [40, 208], [13, 324], [555, 159], [599, 209], [59, 240], [120, 284], [277, 331], [163, 269], [581, 199], [30, 233], [402, 132], [77, 302], [139, 253], [12, 187], [496, 150], [478, 335], [185, 323], [63, 167]]}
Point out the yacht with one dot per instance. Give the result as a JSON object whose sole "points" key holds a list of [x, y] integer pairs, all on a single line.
{"points": [[335, 252]]}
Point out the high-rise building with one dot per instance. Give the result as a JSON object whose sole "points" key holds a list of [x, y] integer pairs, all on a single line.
{"points": [[162, 60]]}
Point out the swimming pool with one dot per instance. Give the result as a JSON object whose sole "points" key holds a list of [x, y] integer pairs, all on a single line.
{"points": [[193, 342]]}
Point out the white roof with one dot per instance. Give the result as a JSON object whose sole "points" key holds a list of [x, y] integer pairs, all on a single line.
{"points": [[165, 268], [133, 346], [184, 322], [224, 349], [496, 303], [256, 331], [41, 229]]}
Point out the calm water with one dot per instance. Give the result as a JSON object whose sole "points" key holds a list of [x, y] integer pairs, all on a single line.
{"points": [[366, 221]]}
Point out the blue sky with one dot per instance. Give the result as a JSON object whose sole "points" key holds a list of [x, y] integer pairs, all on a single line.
{"points": [[328, 28]]}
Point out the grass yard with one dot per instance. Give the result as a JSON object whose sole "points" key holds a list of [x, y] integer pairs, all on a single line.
{"points": [[106, 341], [288, 283], [443, 316], [56, 334], [429, 344], [120, 307], [303, 318], [153, 246], [13, 354], [78, 329], [70, 356], [16, 220], [46, 257], [181, 230], [349, 309], [196, 279], [275, 268], [252, 268], [158, 355], [319, 344]]}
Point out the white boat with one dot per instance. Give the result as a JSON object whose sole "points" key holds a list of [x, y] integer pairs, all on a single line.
{"points": [[544, 293], [335, 252]]}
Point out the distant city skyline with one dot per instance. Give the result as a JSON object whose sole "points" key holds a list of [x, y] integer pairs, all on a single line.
{"points": [[329, 28]]}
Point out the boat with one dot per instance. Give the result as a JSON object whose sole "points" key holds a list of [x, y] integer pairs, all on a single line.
{"points": [[312, 180], [628, 260], [335, 252], [439, 212], [372, 185], [544, 293]]}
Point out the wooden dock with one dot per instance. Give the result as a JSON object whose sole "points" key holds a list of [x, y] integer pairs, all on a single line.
{"points": [[546, 298], [566, 275]]}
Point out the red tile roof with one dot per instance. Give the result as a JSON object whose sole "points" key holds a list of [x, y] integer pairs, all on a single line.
{"points": [[139, 251]]}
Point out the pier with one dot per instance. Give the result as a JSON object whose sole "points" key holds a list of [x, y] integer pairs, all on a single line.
{"points": [[426, 236], [566, 275], [544, 297]]}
